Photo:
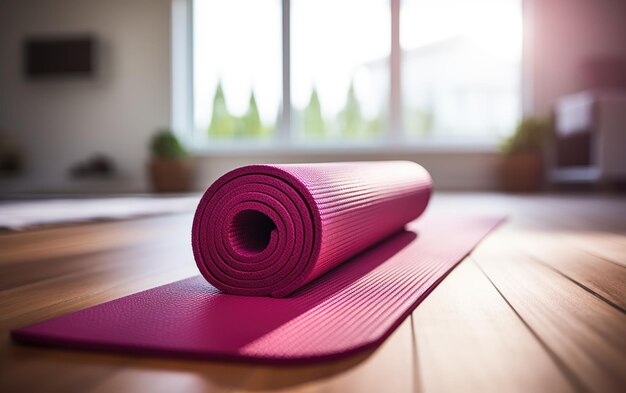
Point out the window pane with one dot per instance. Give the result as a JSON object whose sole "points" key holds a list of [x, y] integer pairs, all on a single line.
{"points": [[461, 67], [338, 49], [237, 68]]}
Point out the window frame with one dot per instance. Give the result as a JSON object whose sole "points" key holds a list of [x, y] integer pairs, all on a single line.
{"points": [[182, 98]]}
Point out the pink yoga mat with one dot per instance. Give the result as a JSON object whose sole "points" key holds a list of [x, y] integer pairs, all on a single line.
{"points": [[268, 230], [328, 242]]}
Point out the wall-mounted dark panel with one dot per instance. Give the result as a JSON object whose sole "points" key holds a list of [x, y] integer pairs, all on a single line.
{"points": [[59, 56]]}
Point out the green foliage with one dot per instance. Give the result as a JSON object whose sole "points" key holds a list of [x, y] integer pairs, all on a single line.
{"points": [[376, 125], [351, 120], [530, 136], [250, 123], [419, 122], [313, 124], [224, 125], [222, 122], [165, 144]]}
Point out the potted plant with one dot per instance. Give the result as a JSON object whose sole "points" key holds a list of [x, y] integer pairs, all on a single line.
{"points": [[522, 167], [171, 169]]}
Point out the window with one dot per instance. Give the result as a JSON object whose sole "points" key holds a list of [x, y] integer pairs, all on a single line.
{"points": [[335, 95], [320, 71], [237, 68], [461, 64]]}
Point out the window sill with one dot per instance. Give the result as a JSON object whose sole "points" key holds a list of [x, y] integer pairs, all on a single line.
{"points": [[266, 148]]}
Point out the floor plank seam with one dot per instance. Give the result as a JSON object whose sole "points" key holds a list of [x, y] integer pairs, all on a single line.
{"points": [[582, 286], [417, 386], [588, 252], [570, 376]]}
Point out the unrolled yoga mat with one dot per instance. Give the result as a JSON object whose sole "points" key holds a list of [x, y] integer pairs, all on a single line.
{"points": [[275, 230]]}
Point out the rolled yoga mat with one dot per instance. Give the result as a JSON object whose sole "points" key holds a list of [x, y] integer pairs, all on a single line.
{"points": [[268, 230], [328, 242]]}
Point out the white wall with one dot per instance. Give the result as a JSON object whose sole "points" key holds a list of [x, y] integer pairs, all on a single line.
{"points": [[60, 122], [566, 33]]}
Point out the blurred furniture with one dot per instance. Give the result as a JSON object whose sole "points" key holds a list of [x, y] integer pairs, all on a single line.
{"points": [[537, 307], [590, 137]]}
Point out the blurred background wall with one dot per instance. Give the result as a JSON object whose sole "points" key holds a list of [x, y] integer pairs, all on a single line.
{"points": [[57, 123], [565, 35]]}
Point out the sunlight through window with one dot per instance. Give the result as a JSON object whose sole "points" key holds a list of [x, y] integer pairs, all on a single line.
{"points": [[237, 64], [461, 65], [460, 70], [335, 94]]}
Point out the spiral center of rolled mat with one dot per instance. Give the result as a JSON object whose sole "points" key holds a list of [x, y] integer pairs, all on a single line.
{"points": [[250, 232]]}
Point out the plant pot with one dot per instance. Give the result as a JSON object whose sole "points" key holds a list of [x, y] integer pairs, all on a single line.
{"points": [[522, 172], [172, 175]]}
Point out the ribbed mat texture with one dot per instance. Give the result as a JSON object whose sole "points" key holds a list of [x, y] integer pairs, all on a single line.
{"points": [[270, 229], [274, 230]]}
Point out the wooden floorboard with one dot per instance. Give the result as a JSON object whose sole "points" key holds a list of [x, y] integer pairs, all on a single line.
{"points": [[465, 328], [603, 278], [537, 307], [608, 246], [587, 334], [81, 239]]}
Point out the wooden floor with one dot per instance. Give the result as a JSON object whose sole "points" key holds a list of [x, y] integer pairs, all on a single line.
{"points": [[538, 306]]}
